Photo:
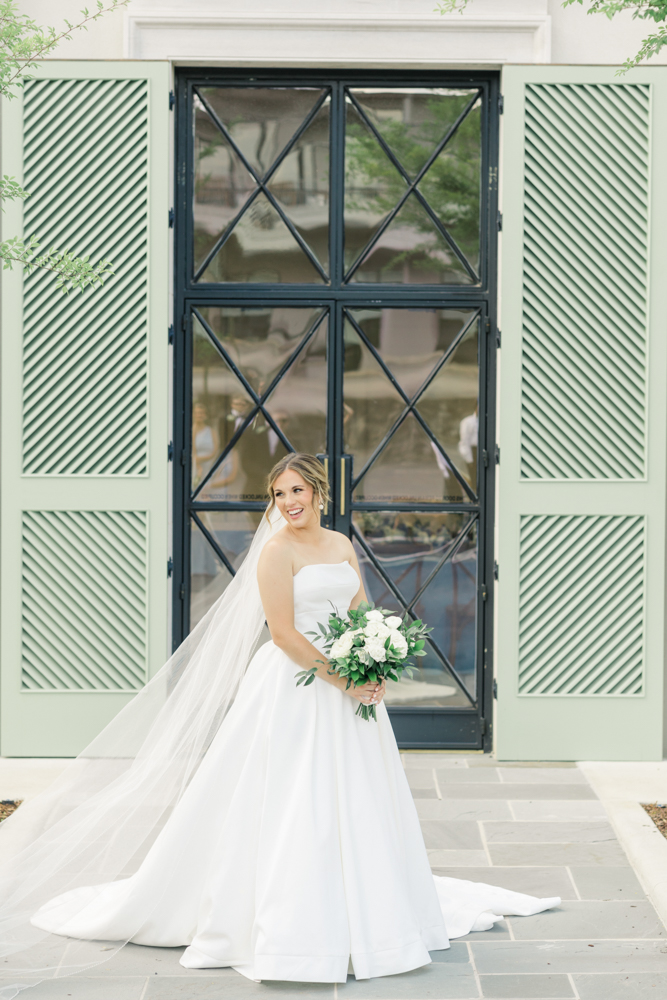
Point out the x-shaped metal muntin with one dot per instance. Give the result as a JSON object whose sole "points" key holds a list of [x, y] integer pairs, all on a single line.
{"points": [[411, 403], [262, 187], [409, 605], [212, 542], [412, 188], [257, 398]]}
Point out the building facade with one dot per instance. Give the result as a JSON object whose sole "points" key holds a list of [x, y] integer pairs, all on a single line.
{"points": [[428, 249]]}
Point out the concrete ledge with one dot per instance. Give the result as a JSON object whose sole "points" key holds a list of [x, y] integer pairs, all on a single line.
{"points": [[622, 787], [25, 777]]}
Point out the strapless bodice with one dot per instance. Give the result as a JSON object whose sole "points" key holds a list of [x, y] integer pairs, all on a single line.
{"points": [[319, 586]]}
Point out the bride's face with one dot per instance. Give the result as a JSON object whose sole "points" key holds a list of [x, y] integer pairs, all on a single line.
{"points": [[294, 499]]}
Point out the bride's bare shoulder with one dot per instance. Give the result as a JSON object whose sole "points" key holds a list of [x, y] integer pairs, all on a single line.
{"points": [[276, 554], [344, 544]]}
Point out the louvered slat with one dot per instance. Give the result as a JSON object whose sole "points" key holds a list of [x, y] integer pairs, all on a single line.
{"points": [[84, 600], [85, 356], [585, 281], [581, 605]]}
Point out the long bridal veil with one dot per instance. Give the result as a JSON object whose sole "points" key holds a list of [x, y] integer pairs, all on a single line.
{"points": [[99, 819]]}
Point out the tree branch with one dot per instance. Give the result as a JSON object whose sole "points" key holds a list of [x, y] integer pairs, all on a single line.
{"points": [[40, 43], [73, 272]]}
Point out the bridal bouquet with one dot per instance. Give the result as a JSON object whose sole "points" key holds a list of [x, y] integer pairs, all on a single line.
{"points": [[369, 645]]}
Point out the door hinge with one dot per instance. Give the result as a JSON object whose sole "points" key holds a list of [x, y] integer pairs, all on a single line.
{"points": [[170, 566], [184, 323], [499, 221], [181, 592], [495, 689], [171, 218], [498, 337], [496, 455], [170, 451], [482, 727], [170, 334], [488, 325], [184, 458], [501, 104], [496, 570], [485, 458], [484, 592], [172, 100]]}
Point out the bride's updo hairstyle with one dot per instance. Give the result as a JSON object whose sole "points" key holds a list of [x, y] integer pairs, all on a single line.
{"points": [[311, 471]]}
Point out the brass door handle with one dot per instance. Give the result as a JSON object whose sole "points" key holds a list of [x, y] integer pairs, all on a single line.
{"points": [[342, 486]]}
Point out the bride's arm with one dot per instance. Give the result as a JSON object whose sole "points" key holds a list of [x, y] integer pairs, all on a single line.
{"points": [[276, 587]]}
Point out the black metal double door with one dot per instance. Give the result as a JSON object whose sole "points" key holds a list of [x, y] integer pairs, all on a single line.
{"points": [[372, 346]]}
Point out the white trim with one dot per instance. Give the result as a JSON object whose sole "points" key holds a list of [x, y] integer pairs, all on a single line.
{"points": [[241, 39]]}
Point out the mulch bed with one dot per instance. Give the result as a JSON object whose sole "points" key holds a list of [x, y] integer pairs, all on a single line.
{"points": [[7, 807], [658, 813]]}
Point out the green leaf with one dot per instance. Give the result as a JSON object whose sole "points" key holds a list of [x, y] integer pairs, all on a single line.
{"points": [[306, 676], [9, 186]]}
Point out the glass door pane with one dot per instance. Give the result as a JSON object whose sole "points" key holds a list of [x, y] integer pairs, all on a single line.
{"points": [[259, 389], [410, 426], [410, 394], [425, 564], [261, 184], [413, 185]]}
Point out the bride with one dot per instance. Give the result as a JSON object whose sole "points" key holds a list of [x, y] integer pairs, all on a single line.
{"points": [[262, 825]]}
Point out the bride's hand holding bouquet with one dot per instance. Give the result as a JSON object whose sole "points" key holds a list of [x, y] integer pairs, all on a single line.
{"points": [[367, 647]]}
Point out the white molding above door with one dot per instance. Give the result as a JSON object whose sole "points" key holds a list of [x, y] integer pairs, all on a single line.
{"points": [[338, 35]]}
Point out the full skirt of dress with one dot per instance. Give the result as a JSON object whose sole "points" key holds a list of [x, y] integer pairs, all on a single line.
{"points": [[294, 854]]}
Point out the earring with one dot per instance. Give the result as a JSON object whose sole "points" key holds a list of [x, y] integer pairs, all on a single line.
{"points": [[321, 504]]}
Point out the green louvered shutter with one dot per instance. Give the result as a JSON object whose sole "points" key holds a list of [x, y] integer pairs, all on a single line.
{"points": [[582, 415], [85, 421]]}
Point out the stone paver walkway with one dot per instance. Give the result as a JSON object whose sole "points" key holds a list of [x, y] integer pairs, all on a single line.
{"points": [[533, 828]]}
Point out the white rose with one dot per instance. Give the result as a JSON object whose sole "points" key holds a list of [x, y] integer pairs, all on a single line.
{"points": [[341, 646], [393, 622], [374, 616], [399, 643], [377, 628], [375, 649]]}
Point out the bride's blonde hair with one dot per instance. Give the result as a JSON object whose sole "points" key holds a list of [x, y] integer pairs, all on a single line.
{"points": [[311, 471]]}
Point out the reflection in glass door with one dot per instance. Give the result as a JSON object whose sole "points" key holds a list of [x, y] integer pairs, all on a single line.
{"points": [[259, 389], [411, 427], [335, 293]]}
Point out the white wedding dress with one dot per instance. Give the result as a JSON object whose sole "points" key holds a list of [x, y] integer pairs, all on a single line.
{"points": [[295, 853]]}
